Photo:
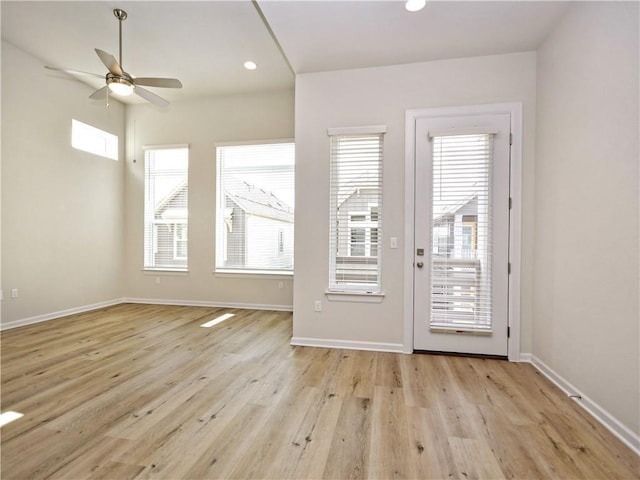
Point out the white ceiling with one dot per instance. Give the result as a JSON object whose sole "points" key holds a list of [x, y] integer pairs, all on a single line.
{"points": [[205, 43], [320, 35]]}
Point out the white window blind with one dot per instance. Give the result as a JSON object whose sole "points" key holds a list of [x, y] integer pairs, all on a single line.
{"points": [[355, 209], [461, 232], [166, 207], [255, 208], [93, 140]]}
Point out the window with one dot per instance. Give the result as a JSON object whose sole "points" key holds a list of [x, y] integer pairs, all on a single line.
{"points": [[363, 231], [356, 209], [255, 208], [93, 140], [180, 242], [166, 208]]}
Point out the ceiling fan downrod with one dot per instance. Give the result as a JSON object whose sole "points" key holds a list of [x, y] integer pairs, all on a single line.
{"points": [[121, 15]]}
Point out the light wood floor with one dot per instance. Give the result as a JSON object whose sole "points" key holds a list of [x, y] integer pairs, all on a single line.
{"points": [[138, 391]]}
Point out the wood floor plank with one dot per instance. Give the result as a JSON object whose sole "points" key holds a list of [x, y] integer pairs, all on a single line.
{"points": [[429, 449], [349, 454], [220, 458], [94, 459], [389, 436], [275, 444], [474, 459], [145, 392], [115, 470]]}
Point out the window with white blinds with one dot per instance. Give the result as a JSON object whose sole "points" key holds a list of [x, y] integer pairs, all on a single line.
{"points": [[255, 208], [461, 232], [166, 207], [355, 209]]}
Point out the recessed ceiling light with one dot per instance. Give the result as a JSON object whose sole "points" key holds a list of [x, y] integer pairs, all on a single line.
{"points": [[415, 5], [250, 65]]}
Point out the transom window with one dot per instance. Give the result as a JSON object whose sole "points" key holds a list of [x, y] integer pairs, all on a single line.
{"points": [[93, 140]]}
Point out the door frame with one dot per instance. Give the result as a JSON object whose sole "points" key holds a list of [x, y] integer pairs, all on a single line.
{"points": [[515, 214]]}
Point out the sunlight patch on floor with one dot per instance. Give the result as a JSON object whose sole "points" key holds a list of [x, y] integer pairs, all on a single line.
{"points": [[218, 320], [8, 417]]}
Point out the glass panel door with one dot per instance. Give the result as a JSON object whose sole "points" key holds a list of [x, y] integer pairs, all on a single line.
{"points": [[462, 234]]}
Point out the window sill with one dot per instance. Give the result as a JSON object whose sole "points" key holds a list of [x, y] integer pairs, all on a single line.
{"points": [[164, 271], [355, 296], [253, 274]]}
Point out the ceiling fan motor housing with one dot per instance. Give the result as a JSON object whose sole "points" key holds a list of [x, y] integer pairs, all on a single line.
{"points": [[120, 84]]}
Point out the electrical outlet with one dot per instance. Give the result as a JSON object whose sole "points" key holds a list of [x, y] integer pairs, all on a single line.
{"points": [[14, 293], [157, 280], [280, 284], [318, 306]]}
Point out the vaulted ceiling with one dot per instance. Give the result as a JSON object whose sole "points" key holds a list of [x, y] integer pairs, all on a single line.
{"points": [[205, 43]]}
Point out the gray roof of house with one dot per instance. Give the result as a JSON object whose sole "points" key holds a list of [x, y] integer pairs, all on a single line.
{"points": [[250, 198], [256, 201]]}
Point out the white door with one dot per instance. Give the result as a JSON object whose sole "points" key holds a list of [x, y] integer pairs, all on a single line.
{"points": [[462, 234]]}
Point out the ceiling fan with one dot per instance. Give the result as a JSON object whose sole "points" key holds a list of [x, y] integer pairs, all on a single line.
{"points": [[121, 82]]}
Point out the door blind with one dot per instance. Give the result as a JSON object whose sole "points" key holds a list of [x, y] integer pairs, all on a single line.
{"points": [[355, 211], [460, 269]]}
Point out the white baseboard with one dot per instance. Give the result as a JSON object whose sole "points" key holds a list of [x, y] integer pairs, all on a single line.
{"points": [[347, 345], [204, 303], [187, 303], [524, 358], [62, 313], [612, 424]]}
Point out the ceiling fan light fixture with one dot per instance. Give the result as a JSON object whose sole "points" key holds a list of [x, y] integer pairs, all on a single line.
{"points": [[415, 5], [120, 86]]}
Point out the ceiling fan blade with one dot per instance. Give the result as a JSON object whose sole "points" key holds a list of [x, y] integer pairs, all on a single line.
{"points": [[74, 72], [151, 97], [99, 94], [158, 82], [110, 62]]}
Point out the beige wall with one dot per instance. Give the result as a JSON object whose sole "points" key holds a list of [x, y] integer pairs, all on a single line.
{"points": [[62, 209], [586, 314], [201, 124], [381, 96]]}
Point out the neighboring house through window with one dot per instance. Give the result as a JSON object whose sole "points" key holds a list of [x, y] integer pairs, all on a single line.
{"points": [[166, 208], [363, 233], [255, 207]]}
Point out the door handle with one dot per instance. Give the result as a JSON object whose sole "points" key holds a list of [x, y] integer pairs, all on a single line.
{"points": [[419, 264]]}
